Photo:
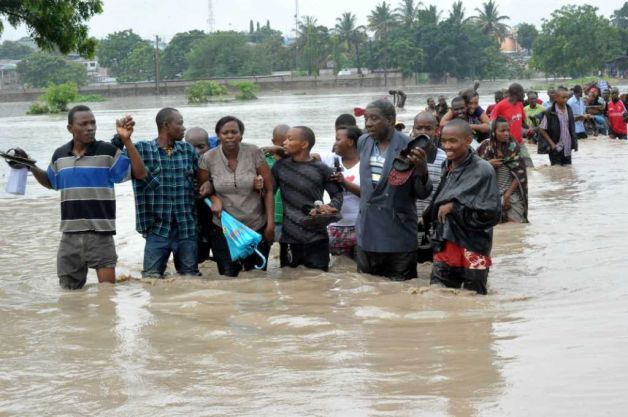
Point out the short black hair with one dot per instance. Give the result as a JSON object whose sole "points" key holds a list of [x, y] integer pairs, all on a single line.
{"points": [[460, 124], [499, 93], [353, 133], [577, 89], [386, 107], [458, 99], [468, 94], [76, 109], [515, 88], [345, 119], [307, 135], [224, 120], [164, 116]]}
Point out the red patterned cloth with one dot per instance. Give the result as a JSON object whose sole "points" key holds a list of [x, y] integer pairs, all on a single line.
{"points": [[458, 257], [342, 240]]}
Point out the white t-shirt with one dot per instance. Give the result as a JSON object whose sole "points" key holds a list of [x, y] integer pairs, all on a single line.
{"points": [[351, 202]]}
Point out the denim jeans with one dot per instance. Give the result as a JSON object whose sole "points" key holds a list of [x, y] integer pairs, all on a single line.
{"points": [[157, 251]]}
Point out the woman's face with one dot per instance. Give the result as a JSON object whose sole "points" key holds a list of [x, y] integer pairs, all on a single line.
{"points": [[343, 144], [474, 102], [230, 136], [502, 132]]}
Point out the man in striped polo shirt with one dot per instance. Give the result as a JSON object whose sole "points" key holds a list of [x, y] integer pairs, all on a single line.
{"points": [[85, 171]]}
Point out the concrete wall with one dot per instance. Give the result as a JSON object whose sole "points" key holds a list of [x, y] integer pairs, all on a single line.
{"points": [[266, 83]]}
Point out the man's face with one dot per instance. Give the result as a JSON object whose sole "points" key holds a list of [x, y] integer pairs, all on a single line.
{"points": [[552, 95], [459, 109], [605, 95], [562, 97], [615, 95], [532, 100], [199, 140], [441, 100], [424, 127], [279, 139], [293, 144], [454, 143], [376, 123], [430, 103], [83, 127], [175, 128]]}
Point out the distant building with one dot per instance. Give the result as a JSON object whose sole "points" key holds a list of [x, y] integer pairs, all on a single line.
{"points": [[509, 45], [8, 73], [95, 73]]}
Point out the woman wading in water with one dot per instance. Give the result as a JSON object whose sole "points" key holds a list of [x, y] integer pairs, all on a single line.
{"points": [[504, 154]]}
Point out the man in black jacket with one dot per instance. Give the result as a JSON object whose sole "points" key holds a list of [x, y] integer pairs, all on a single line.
{"points": [[558, 130], [463, 212]]}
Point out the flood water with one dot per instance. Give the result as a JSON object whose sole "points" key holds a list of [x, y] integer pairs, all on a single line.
{"points": [[549, 340]]}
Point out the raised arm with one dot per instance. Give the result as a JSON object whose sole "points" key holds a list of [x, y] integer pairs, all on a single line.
{"points": [[124, 129]]}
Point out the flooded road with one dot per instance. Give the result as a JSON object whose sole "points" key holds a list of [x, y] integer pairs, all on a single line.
{"points": [[549, 340]]}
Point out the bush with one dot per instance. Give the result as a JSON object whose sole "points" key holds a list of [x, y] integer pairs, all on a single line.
{"points": [[38, 108], [201, 91], [247, 90], [89, 98], [59, 96]]}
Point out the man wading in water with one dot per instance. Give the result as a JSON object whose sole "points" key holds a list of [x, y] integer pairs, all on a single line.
{"points": [[84, 170]]}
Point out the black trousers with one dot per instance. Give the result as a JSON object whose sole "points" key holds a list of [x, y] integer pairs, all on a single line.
{"points": [[459, 277], [559, 158], [397, 266], [222, 256], [313, 255]]}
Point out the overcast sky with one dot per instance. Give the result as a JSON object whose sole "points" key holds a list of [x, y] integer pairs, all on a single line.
{"points": [[167, 17]]}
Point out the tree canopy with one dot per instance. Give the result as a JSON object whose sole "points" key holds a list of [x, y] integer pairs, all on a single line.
{"points": [[41, 69], [55, 25], [575, 41]]}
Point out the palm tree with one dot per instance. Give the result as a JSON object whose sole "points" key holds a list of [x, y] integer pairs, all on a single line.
{"points": [[489, 20], [408, 13], [351, 34], [381, 20], [456, 14], [312, 43], [429, 15]]}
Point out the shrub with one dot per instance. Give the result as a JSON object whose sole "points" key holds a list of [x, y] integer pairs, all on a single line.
{"points": [[38, 108], [201, 91], [247, 90], [59, 96]]}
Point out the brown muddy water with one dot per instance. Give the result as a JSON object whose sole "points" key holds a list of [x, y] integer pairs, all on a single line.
{"points": [[549, 340]]}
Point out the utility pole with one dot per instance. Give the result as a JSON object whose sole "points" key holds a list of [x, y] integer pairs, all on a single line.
{"points": [[296, 35], [157, 75]]}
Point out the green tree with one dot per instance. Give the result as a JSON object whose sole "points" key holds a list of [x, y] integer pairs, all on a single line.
{"points": [[526, 35], [115, 48], [564, 48], [59, 96], [352, 34], [429, 15], [14, 50], [173, 60], [54, 25], [620, 21], [457, 13], [490, 21], [381, 20], [222, 54], [41, 69], [408, 13], [313, 42], [139, 65]]}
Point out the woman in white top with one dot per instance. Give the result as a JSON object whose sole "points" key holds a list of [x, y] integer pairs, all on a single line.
{"points": [[346, 164]]}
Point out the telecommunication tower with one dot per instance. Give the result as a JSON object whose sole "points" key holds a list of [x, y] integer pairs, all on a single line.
{"points": [[210, 19]]}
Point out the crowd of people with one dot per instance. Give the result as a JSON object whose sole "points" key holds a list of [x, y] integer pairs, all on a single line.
{"points": [[393, 200]]}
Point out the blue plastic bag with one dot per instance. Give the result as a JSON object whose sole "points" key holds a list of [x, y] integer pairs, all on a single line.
{"points": [[241, 240]]}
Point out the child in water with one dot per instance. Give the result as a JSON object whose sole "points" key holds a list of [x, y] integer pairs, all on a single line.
{"points": [[302, 181], [504, 154]]}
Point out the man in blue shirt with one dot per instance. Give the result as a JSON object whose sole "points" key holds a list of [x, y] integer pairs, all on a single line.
{"points": [[165, 202], [85, 170], [579, 109]]}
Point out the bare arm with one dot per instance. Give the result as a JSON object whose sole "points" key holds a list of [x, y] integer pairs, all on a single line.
{"points": [[446, 118], [41, 176], [269, 201], [484, 126], [124, 128]]}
